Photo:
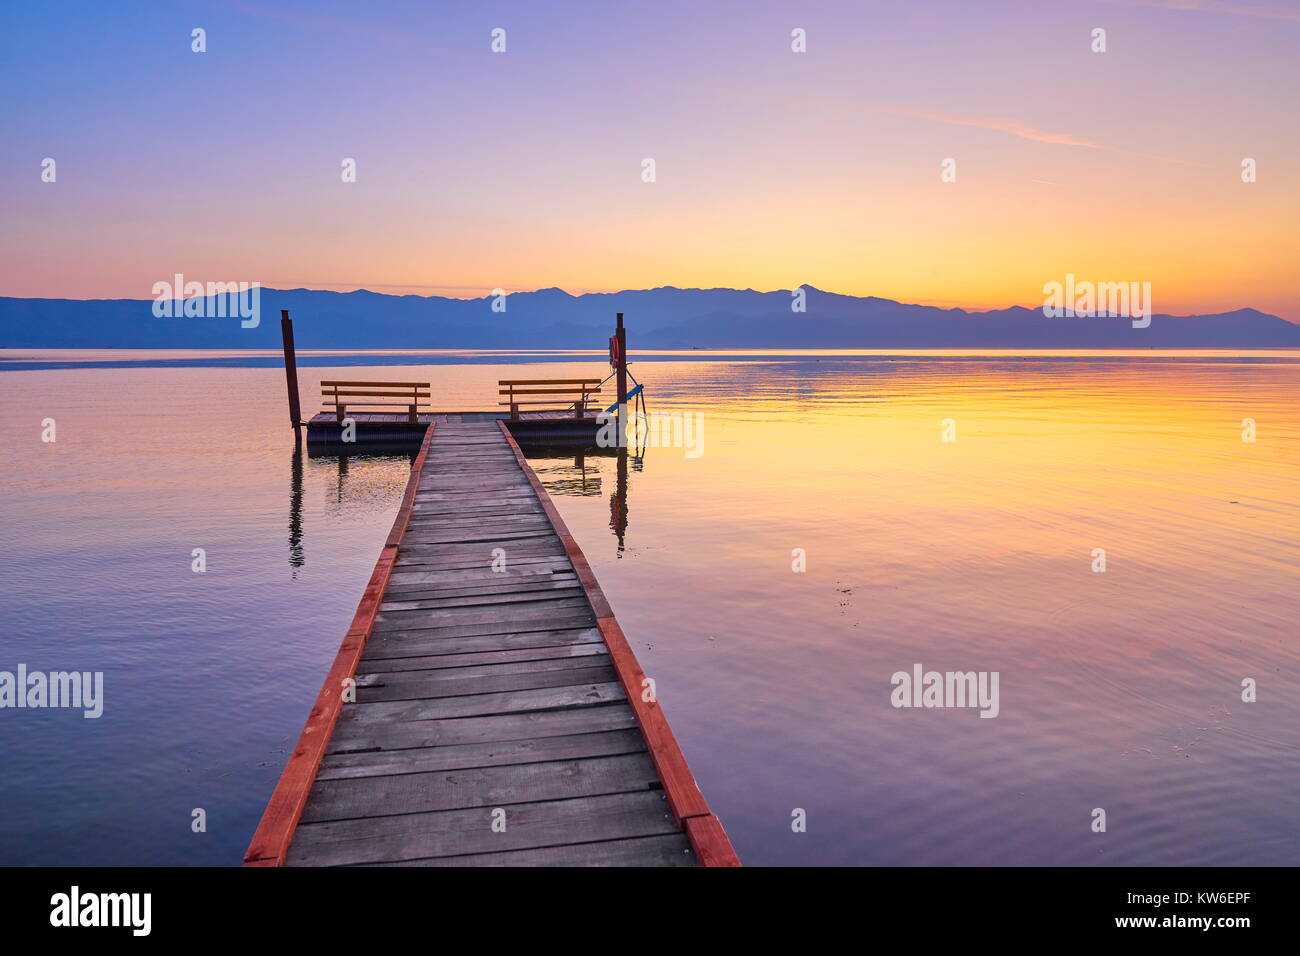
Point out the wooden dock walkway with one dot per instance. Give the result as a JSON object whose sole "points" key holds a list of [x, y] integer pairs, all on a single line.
{"points": [[481, 717]]}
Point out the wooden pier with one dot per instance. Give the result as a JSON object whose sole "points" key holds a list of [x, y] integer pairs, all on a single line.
{"points": [[479, 715]]}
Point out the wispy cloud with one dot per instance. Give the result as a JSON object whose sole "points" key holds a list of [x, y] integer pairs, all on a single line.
{"points": [[1013, 126]]}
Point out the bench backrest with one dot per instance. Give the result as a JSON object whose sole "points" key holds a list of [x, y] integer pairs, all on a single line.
{"points": [[340, 395], [554, 394]]}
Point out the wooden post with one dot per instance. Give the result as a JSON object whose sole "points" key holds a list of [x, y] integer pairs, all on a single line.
{"points": [[291, 372], [621, 380]]}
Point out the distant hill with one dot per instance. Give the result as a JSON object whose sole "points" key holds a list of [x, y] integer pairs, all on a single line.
{"points": [[668, 318]]}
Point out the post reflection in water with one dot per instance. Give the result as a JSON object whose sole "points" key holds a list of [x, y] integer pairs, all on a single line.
{"points": [[581, 480], [371, 481], [618, 501], [296, 557]]}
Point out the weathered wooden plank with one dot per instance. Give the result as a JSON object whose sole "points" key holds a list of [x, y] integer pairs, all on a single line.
{"points": [[449, 465], [667, 850], [444, 497], [499, 537], [522, 507], [476, 486], [498, 584], [455, 482], [413, 836], [568, 662], [451, 462], [515, 525], [482, 537], [535, 546], [493, 464], [557, 622], [474, 705], [478, 787], [453, 617], [479, 561], [463, 451], [472, 488], [430, 685], [387, 763], [444, 661], [451, 483], [418, 684], [437, 551], [528, 543], [480, 558], [387, 646], [495, 598], [352, 736]]}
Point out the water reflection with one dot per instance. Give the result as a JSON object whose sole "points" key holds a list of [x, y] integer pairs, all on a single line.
{"points": [[296, 557], [585, 480], [618, 501], [358, 486]]}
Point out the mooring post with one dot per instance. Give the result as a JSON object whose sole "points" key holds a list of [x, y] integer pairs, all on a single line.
{"points": [[620, 335], [291, 373]]}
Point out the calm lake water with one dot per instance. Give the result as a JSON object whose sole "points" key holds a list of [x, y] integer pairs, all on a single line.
{"points": [[1119, 690]]}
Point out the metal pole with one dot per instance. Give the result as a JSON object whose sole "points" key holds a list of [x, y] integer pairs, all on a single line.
{"points": [[291, 372], [620, 334]]}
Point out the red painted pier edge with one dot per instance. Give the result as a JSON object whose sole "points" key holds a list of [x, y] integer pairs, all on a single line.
{"points": [[704, 830], [274, 833]]}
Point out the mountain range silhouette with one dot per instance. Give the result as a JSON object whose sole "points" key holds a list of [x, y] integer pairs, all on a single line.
{"points": [[661, 318]]}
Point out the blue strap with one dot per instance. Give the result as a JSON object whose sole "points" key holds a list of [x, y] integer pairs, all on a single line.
{"points": [[632, 394]]}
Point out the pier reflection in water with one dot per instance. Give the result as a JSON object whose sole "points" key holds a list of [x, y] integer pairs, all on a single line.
{"points": [[296, 557]]}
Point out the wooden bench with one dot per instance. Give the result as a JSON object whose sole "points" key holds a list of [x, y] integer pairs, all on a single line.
{"points": [[562, 394], [341, 396]]}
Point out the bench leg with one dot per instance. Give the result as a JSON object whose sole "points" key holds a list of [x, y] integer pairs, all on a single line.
{"points": [[411, 418], [578, 408], [340, 412], [514, 412]]}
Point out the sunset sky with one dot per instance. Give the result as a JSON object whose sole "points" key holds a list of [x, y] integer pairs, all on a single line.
{"points": [[523, 170]]}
